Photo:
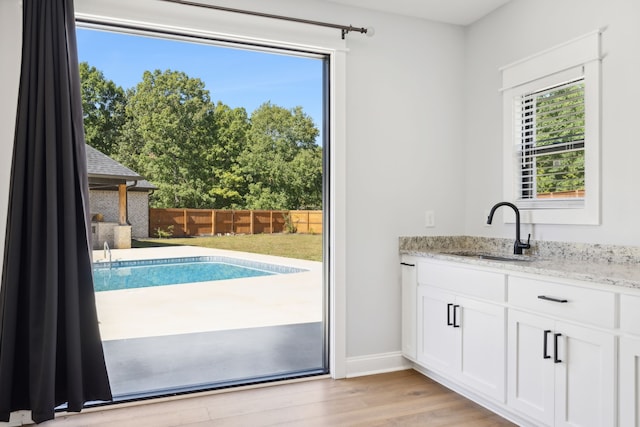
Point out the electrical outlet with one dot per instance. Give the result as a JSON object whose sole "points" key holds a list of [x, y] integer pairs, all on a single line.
{"points": [[429, 219]]}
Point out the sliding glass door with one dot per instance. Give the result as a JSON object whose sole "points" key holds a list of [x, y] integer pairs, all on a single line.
{"points": [[220, 156]]}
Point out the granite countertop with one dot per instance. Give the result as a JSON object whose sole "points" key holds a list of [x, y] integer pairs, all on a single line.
{"points": [[603, 264]]}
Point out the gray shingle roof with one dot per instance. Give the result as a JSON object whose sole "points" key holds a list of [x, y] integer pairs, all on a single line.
{"points": [[142, 185], [100, 166]]}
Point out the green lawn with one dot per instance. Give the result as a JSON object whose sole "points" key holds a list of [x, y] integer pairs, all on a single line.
{"points": [[300, 246]]}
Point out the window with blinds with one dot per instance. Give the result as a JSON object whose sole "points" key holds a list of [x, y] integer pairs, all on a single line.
{"points": [[551, 133], [551, 142]]}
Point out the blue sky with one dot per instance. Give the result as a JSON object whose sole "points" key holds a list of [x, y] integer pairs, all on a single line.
{"points": [[238, 78]]}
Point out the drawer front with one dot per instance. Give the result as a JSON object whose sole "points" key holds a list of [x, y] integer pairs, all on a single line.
{"points": [[482, 284], [630, 314], [569, 302]]}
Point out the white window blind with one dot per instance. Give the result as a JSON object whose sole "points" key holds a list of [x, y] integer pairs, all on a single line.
{"points": [[550, 144]]}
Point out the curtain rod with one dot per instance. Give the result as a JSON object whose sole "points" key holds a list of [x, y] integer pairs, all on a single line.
{"points": [[344, 28]]}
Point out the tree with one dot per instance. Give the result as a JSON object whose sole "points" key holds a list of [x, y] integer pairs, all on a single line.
{"points": [[559, 140], [281, 163], [305, 184], [103, 106], [202, 155], [168, 137], [231, 127]]}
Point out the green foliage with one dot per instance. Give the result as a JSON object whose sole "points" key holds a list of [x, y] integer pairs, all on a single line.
{"points": [[560, 118], [231, 127], [299, 246], [103, 104], [169, 128], [164, 234], [289, 225], [200, 154], [282, 164]]}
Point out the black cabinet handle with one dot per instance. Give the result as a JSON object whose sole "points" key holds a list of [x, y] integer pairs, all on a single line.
{"points": [[544, 345], [455, 323], [552, 299], [407, 264], [555, 348], [449, 322]]}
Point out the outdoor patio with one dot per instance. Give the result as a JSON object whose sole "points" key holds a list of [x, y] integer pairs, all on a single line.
{"points": [[174, 336], [209, 306]]}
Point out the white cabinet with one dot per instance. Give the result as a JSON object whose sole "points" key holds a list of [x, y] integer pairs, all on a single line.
{"points": [[462, 337], [568, 302], [409, 304], [482, 346], [542, 351], [629, 382], [530, 375], [438, 338], [585, 377], [559, 373]]}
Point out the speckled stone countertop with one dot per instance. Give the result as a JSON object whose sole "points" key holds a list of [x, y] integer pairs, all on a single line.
{"points": [[604, 264]]}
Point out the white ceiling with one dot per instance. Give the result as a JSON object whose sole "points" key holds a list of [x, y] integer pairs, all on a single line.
{"points": [[460, 12]]}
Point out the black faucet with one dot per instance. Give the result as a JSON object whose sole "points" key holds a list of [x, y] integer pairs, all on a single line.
{"points": [[518, 246]]}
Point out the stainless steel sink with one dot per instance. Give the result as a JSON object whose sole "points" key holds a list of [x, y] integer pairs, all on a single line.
{"points": [[512, 258]]}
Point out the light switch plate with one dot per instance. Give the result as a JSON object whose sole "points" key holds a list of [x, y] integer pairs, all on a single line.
{"points": [[429, 219]]}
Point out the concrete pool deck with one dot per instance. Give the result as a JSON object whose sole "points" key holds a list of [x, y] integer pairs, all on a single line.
{"points": [[209, 306]]}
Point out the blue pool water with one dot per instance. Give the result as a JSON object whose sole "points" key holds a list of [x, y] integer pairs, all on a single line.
{"points": [[170, 271]]}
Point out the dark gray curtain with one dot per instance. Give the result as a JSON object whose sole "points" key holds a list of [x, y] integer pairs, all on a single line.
{"points": [[50, 347]]}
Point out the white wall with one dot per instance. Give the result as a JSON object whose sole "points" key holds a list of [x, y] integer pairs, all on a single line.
{"points": [[10, 47], [522, 28], [404, 139], [404, 132], [423, 130]]}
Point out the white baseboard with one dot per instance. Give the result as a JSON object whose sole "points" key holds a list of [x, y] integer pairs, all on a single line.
{"points": [[376, 364]]}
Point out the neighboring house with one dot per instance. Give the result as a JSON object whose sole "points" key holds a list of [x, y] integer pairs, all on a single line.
{"points": [[107, 178]]}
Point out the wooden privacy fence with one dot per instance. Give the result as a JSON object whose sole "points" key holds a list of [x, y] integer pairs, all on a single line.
{"points": [[211, 222], [562, 195]]}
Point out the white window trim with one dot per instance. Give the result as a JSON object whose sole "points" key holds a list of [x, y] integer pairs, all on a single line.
{"points": [[578, 57], [224, 26]]}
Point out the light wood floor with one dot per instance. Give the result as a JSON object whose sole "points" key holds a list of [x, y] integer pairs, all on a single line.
{"points": [[404, 398]]}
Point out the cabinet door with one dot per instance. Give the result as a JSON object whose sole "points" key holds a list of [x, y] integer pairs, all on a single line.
{"points": [[530, 387], [585, 383], [629, 382], [483, 336], [409, 305], [438, 340]]}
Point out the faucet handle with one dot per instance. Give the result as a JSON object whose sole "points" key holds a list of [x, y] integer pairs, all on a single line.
{"points": [[519, 246]]}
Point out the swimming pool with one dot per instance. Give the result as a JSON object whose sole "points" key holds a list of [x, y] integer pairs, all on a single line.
{"points": [[110, 276]]}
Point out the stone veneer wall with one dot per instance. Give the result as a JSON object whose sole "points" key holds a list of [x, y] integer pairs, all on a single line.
{"points": [[106, 203]]}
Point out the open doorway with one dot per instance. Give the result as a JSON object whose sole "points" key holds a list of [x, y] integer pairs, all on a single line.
{"points": [[230, 146]]}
